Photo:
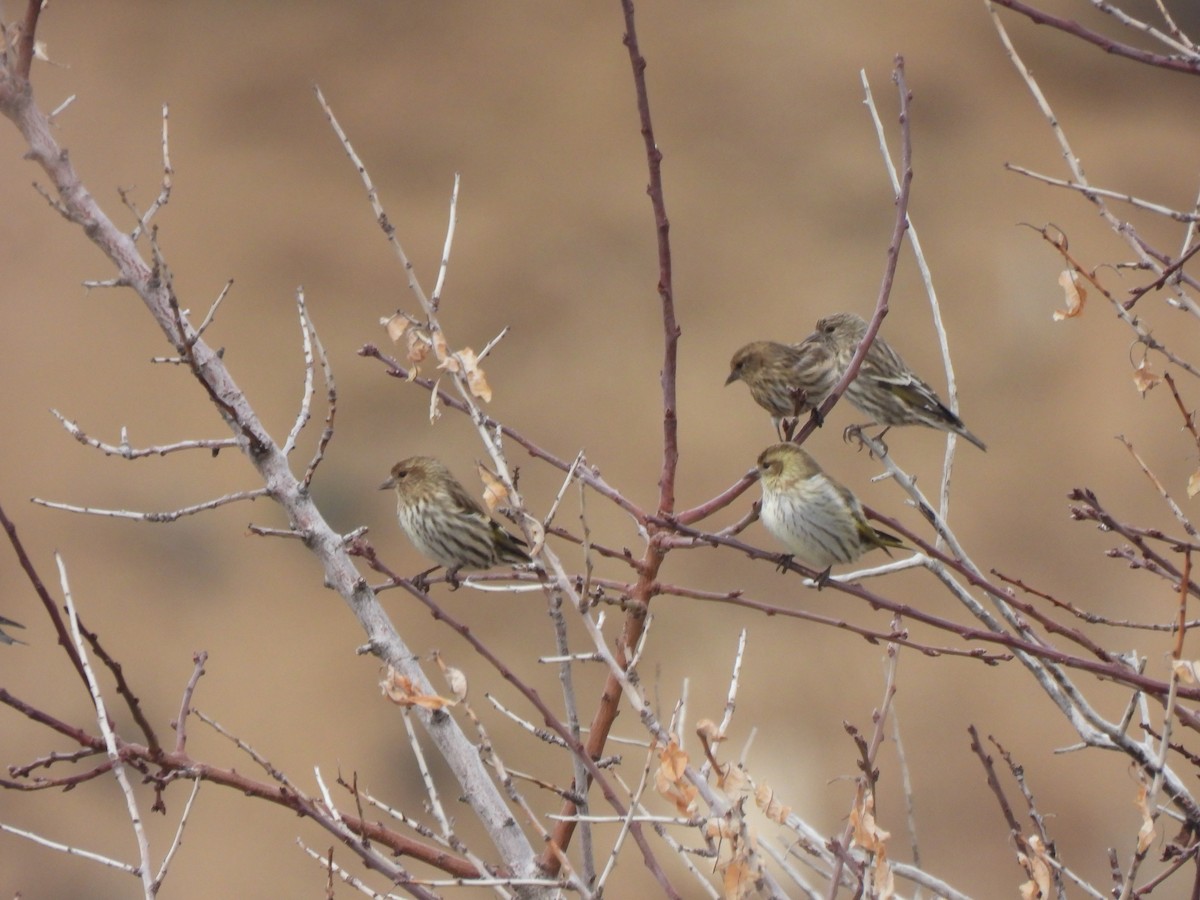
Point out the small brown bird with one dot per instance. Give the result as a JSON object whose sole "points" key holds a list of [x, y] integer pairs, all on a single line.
{"points": [[818, 520], [445, 522], [8, 638], [787, 380], [886, 389]]}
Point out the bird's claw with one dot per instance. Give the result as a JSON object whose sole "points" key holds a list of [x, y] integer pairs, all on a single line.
{"points": [[421, 580], [855, 433]]}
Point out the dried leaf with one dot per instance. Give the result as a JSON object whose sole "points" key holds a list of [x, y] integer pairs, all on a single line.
{"points": [[400, 690], [537, 535], [707, 730], [1075, 295], [1038, 867], [435, 403], [1193, 487], [416, 349], [454, 678], [731, 779], [476, 380], [440, 350], [494, 491], [772, 808], [467, 363], [1146, 834], [1186, 671], [669, 779], [872, 838], [672, 763], [396, 325], [738, 880], [867, 834], [1144, 379]]}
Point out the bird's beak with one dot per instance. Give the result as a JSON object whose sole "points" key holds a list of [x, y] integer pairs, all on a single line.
{"points": [[390, 483], [733, 376]]}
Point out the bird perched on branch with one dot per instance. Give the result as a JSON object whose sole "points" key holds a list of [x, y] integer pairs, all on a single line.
{"points": [[787, 380], [886, 389], [818, 520], [445, 522]]}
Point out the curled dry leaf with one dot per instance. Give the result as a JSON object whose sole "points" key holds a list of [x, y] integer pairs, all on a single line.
{"points": [[1146, 834], [670, 779], [867, 834], [466, 362], [440, 350], [416, 348], [872, 838], [1193, 487], [672, 763], [739, 880], [731, 779], [395, 325], [400, 690], [1038, 868], [435, 402], [454, 678], [1075, 295], [739, 877], [536, 533], [708, 731], [402, 328], [1186, 670], [772, 808], [1144, 379], [494, 491]]}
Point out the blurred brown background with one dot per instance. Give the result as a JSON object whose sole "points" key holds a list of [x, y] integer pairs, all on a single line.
{"points": [[780, 212]]}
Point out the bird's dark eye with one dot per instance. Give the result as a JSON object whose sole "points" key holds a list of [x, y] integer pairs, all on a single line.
{"points": [[401, 474]]}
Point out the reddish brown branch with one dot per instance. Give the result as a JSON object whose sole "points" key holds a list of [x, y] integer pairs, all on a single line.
{"points": [[1188, 66], [27, 43], [1189, 416], [583, 472], [60, 626], [1108, 667], [662, 228], [171, 766], [587, 755], [899, 229], [122, 687], [1160, 282], [1092, 510]]}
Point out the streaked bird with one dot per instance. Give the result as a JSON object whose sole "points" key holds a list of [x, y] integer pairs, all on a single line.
{"points": [[787, 380], [445, 522], [886, 389], [818, 520]]}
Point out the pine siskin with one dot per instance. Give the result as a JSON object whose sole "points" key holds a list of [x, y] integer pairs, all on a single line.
{"points": [[446, 523], [886, 389], [8, 638], [817, 519], [787, 380]]}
